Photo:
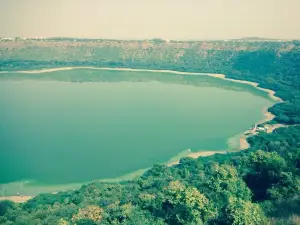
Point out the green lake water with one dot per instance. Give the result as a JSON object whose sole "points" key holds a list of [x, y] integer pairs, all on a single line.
{"points": [[71, 127]]}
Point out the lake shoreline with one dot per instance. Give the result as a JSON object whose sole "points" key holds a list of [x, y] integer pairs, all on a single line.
{"points": [[271, 93], [243, 144]]}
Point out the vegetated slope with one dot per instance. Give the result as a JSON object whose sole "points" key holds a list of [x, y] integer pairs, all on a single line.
{"points": [[257, 186]]}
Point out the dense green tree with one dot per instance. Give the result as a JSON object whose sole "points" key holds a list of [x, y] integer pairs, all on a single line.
{"points": [[241, 212], [186, 205], [223, 182], [4, 206], [264, 171]]}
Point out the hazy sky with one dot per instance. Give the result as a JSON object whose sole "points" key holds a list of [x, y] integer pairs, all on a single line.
{"points": [[136, 19]]}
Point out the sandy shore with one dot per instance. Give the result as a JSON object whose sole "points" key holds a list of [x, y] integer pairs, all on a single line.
{"points": [[17, 199], [271, 128], [271, 93], [268, 116], [101, 68], [244, 143], [196, 155], [243, 139]]}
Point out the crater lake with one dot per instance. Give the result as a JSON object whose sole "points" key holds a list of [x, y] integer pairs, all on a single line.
{"points": [[64, 128]]}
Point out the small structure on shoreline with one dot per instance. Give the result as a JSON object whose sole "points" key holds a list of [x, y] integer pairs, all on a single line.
{"points": [[255, 129]]}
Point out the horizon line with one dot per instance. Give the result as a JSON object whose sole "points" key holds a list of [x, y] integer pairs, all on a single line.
{"points": [[149, 39]]}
